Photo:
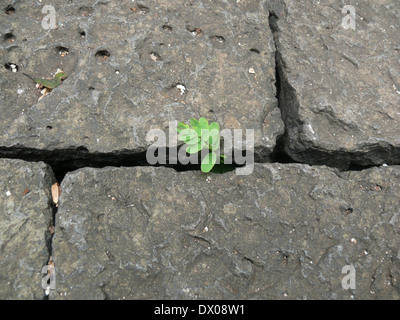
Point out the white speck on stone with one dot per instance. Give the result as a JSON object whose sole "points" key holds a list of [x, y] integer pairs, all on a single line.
{"points": [[182, 88], [353, 240], [206, 229], [310, 128], [251, 70], [384, 165], [20, 91], [117, 72], [8, 193]]}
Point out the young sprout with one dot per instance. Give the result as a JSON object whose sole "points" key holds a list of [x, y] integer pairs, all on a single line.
{"points": [[200, 135]]}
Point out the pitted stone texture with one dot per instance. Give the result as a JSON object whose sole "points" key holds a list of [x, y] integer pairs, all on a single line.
{"points": [[25, 216], [137, 66], [340, 92], [283, 232]]}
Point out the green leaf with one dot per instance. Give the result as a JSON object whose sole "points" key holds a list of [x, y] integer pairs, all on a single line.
{"points": [[194, 148], [181, 126], [196, 126], [205, 135], [203, 123], [214, 126], [208, 162], [194, 122], [189, 136]]}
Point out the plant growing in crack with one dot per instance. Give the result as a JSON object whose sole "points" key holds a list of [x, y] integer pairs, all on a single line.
{"points": [[200, 135]]}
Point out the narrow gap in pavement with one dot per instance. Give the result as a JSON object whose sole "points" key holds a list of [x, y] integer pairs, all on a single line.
{"points": [[278, 155]]}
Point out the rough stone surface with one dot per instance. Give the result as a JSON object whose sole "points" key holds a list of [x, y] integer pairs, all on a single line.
{"points": [[25, 216], [313, 92], [286, 231], [123, 73], [340, 89]]}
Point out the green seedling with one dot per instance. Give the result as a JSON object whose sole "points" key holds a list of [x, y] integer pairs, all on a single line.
{"points": [[49, 83], [200, 135]]}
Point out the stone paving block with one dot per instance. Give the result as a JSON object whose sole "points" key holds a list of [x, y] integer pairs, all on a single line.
{"points": [[25, 217], [284, 232], [137, 66], [340, 88]]}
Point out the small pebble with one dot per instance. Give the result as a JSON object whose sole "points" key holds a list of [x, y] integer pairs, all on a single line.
{"points": [[182, 88]]}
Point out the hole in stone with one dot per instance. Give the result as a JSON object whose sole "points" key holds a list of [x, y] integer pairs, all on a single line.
{"points": [[194, 31], [218, 40], [377, 188], [102, 55], [82, 34], [62, 51], [255, 50], [346, 210], [176, 91], [9, 10], [9, 37], [211, 110], [85, 11], [11, 67], [49, 127], [91, 88], [285, 259], [167, 27], [143, 9], [155, 56]]}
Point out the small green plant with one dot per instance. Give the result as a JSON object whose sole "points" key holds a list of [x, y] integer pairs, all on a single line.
{"points": [[200, 135]]}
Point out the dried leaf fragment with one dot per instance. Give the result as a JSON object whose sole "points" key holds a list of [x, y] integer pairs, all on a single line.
{"points": [[55, 193], [52, 229]]}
